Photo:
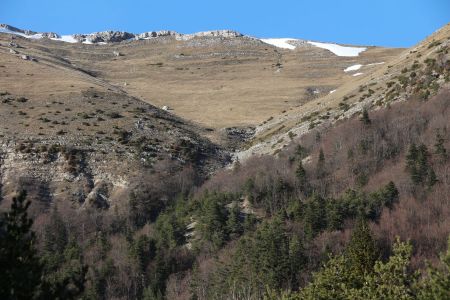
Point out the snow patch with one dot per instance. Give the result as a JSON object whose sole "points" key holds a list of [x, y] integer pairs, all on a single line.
{"points": [[3, 30], [331, 92], [353, 68], [340, 50], [357, 74], [66, 38], [280, 43], [374, 64], [37, 36]]}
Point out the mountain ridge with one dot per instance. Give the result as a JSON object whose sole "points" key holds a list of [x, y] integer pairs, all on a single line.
{"points": [[117, 36], [112, 36]]}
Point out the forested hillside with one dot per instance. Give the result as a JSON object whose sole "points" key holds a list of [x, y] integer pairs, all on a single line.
{"points": [[338, 197], [356, 207]]}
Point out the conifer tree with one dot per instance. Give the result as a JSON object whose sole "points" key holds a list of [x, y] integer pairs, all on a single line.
{"points": [[320, 168], [439, 147], [419, 167], [55, 234], [301, 174], [422, 163], [315, 218], [20, 268], [389, 280], [234, 221], [361, 252], [390, 194], [411, 158], [365, 117], [436, 285]]}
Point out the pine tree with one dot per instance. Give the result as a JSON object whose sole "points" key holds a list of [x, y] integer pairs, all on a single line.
{"points": [[296, 259], [20, 268], [439, 147], [301, 152], [55, 234], [331, 282], [272, 254], [64, 276], [432, 178], [213, 219], [321, 164], [422, 164], [365, 117], [411, 158], [436, 285], [301, 175], [361, 252], [234, 225], [315, 216], [419, 167], [390, 194], [389, 280]]}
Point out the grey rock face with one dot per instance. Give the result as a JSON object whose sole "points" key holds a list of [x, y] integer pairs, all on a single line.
{"points": [[50, 35], [120, 36], [156, 34], [104, 37], [213, 33], [15, 29], [28, 32]]}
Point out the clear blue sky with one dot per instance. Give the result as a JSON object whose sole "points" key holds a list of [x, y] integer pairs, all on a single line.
{"points": [[399, 23]]}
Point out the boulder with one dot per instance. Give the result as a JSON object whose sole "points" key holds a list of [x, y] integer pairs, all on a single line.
{"points": [[27, 57], [50, 35]]}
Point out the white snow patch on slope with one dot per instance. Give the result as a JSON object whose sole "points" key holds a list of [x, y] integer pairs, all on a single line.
{"points": [[35, 36], [331, 92], [340, 50], [353, 68], [280, 43], [66, 38], [357, 74]]}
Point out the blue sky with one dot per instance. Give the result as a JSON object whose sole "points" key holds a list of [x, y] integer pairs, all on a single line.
{"points": [[400, 23]]}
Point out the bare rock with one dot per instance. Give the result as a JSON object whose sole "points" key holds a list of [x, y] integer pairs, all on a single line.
{"points": [[156, 34]]}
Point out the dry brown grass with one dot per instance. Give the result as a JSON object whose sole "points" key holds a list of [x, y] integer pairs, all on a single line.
{"points": [[217, 84]]}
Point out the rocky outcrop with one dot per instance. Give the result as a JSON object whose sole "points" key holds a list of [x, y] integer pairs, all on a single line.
{"points": [[120, 36], [104, 37], [27, 57], [213, 33], [50, 35], [156, 34], [15, 29], [12, 29]]}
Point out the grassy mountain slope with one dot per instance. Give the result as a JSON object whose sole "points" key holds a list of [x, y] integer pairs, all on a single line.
{"points": [[80, 137], [389, 82]]}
